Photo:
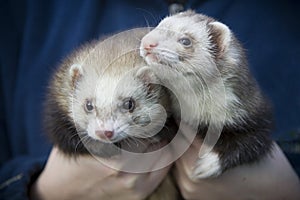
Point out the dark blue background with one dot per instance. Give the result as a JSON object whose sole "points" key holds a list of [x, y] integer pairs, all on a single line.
{"points": [[35, 36]]}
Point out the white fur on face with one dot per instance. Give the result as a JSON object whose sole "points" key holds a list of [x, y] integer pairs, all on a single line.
{"points": [[169, 50], [108, 93], [196, 65]]}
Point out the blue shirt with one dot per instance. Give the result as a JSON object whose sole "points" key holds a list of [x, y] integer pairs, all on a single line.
{"points": [[36, 35]]}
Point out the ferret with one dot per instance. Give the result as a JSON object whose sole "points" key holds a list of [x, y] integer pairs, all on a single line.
{"points": [[216, 88], [96, 95], [100, 100]]}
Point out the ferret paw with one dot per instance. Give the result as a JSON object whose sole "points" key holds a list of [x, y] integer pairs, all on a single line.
{"points": [[207, 166]]}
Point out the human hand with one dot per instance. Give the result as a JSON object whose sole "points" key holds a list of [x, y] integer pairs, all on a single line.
{"points": [[86, 178], [270, 178]]}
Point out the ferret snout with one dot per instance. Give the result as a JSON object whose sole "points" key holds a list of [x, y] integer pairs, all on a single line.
{"points": [[104, 135], [149, 46], [148, 43]]}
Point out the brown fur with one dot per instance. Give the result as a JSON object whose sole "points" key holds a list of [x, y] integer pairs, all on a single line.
{"points": [[215, 56], [59, 124]]}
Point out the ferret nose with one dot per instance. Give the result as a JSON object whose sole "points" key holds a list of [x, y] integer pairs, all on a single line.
{"points": [[109, 134], [105, 134], [151, 45]]}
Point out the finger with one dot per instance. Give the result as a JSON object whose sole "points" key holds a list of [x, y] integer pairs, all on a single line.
{"points": [[163, 158], [187, 188], [186, 163], [95, 164], [154, 178], [191, 155], [183, 167], [151, 181], [156, 160]]}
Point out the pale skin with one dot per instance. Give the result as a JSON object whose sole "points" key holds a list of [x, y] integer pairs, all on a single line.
{"points": [[272, 178], [86, 178]]}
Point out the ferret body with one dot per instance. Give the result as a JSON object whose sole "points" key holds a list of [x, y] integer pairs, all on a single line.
{"points": [[99, 97], [205, 54]]}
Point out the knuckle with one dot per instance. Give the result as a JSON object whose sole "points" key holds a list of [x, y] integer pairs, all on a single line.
{"points": [[129, 184], [187, 193], [187, 189]]}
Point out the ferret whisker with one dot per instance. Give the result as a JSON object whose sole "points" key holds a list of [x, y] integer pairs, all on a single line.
{"points": [[80, 142], [76, 134], [138, 143], [135, 140], [127, 140], [72, 136], [151, 15]]}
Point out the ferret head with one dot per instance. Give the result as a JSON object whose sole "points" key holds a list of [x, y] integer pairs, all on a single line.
{"points": [[187, 39], [115, 105]]}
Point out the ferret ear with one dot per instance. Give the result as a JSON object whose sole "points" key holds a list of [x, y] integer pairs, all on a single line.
{"points": [[75, 73], [221, 36], [148, 77]]}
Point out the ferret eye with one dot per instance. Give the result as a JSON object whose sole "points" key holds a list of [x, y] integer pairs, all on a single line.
{"points": [[129, 104], [185, 42], [89, 106]]}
